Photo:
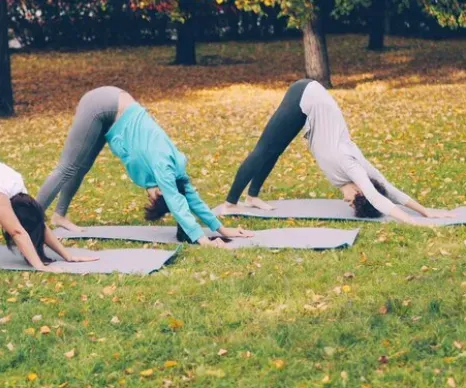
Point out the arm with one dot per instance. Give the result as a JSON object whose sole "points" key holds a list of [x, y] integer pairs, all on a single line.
{"points": [[359, 176], [13, 227], [199, 208], [52, 242], [176, 202]]}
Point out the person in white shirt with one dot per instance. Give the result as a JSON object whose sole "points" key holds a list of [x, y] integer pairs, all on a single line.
{"points": [[308, 104], [23, 223]]}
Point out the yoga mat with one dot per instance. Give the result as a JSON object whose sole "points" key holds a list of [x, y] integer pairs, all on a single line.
{"points": [[304, 238], [129, 261], [331, 209]]}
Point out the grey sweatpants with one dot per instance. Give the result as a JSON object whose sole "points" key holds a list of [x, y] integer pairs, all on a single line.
{"points": [[95, 114]]}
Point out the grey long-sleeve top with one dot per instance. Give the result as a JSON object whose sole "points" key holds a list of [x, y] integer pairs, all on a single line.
{"points": [[339, 158]]}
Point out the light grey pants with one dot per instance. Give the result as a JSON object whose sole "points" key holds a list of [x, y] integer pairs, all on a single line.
{"points": [[95, 114]]}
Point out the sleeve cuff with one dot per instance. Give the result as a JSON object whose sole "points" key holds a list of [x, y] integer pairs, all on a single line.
{"points": [[215, 225], [196, 234]]}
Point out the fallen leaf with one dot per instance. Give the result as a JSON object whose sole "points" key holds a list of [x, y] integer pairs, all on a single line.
{"points": [[129, 371], [346, 288], [383, 360], [222, 352], [363, 258], [326, 379], [279, 364], [349, 275], [5, 319], [84, 298], [175, 324], [383, 310], [30, 331], [11, 300], [109, 290], [10, 346], [220, 373], [329, 351], [44, 330], [36, 318], [147, 373], [424, 268], [32, 376], [115, 320], [458, 345], [247, 354], [344, 375], [70, 354], [170, 364], [451, 382]]}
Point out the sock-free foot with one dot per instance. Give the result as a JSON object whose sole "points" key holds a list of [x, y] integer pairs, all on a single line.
{"points": [[258, 203], [65, 223]]}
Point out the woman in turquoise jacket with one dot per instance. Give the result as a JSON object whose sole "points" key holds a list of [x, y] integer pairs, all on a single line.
{"points": [[153, 162]]}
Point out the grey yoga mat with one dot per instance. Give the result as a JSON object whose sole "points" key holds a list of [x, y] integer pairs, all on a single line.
{"points": [[308, 238], [129, 261], [330, 209]]}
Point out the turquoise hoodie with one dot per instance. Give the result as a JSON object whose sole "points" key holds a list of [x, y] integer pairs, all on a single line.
{"points": [[152, 160]]}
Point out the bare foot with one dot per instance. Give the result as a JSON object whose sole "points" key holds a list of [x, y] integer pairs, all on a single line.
{"points": [[230, 208], [64, 222], [257, 202]]}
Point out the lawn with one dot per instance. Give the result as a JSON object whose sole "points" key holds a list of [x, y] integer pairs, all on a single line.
{"points": [[388, 312]]}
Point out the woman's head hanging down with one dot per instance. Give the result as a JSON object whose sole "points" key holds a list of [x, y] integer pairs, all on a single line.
{"points": [[308, 104], [153, 162]]}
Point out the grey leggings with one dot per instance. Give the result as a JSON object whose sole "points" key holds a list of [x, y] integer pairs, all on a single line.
{"points": [[95, 114]]}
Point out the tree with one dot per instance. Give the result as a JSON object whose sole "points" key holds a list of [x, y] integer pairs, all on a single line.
{"points": [[448, 13], [306, 15], [6, 90]]}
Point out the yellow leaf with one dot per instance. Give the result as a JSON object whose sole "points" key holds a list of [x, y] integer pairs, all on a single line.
{"points": [[326, 379], [11, 300], [32, 376], [346, 288], [36, 318], [451, 382], [10, 346], [129, 371], [70, 354], [175, 324], [279, 364], [170, 364], [30, 331], [147, 373], [424, 268], [44, 330], [222, 352], [115, 320]]}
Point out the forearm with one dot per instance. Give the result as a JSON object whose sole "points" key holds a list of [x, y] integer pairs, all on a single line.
{"points": [[401, 216], [417, 207], [24, 244], [52, 242]]}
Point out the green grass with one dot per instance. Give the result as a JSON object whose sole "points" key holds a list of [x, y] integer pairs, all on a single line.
{"points": [[289, 309]]}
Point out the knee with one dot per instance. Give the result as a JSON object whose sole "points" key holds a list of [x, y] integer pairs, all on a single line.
{"points": [[67, 170]]}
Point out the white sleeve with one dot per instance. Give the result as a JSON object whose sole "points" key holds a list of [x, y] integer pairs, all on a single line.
{"points": [[358, 175], [396, 195]]}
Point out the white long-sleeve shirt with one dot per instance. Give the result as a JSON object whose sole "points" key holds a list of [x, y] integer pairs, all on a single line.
{"points": [[339, 158], [11, 182]]}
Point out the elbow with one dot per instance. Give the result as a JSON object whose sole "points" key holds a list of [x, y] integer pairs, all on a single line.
{"points": [[17, 233]]}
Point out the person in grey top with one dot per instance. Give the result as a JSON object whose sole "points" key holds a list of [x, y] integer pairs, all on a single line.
{"points": [[363, 186]]}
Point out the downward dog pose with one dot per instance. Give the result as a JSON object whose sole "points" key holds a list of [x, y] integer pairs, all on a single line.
{"points": [[307, 104], [109, 114], [23, 223]]}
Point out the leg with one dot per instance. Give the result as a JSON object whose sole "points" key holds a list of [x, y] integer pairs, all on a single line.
{"points": [[281, 129], [71, 187], [93, 117]]}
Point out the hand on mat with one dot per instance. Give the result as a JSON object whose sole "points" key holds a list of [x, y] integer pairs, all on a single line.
{"points": [[81, 259], [217, 243], [434, 213], [235, 232]]}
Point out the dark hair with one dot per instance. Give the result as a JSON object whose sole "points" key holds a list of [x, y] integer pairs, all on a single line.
{"points": [[363, 207], [158, 208], [32, 218]]}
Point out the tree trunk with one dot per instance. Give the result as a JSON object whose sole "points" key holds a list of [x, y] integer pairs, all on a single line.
{"points": [[185, 43], [315, 51], [377, 25], [6, 90]]}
